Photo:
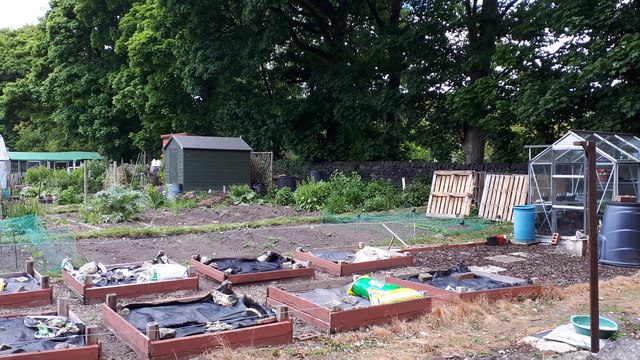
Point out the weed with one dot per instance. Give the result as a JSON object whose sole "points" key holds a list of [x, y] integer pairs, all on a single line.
{"points": [[116, 204]]}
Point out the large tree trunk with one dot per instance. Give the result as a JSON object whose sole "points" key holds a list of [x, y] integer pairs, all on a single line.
{"points": [[483, 27], [473, 144]]}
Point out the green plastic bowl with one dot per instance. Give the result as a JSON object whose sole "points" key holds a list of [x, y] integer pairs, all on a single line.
{"points": [[582, 325]]}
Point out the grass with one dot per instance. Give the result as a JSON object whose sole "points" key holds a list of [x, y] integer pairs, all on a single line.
{"points": [[459, 328], [63, 209], [129, 232]]}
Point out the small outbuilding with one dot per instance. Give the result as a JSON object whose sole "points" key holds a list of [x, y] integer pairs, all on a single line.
{"points": [[557, 185], [207, 162]]}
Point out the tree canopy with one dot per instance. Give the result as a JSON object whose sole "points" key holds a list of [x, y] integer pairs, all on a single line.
{"points": [[468, 80]]}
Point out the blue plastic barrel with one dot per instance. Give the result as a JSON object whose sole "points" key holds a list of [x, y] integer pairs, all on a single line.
{"points": [[524, 230], [174, 191]]}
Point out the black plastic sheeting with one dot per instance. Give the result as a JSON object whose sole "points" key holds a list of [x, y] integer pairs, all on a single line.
{"points": [[12, 285], [335, 256], [234, 266], [322, 296], [442, 279], [21, 338], [104, 278], [190, 317]]}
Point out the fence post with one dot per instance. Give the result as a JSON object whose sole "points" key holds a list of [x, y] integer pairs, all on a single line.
{"points": [[86, 182]]}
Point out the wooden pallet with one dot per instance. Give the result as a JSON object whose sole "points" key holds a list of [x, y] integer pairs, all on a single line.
{"points": [[501, 193], [451, 193]]}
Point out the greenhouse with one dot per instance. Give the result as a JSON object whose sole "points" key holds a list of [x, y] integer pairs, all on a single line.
{"points": [[557, 185]]}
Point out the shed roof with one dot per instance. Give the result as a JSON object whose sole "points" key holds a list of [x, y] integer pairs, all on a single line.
{"points": [[211, 143], [53, 156]]}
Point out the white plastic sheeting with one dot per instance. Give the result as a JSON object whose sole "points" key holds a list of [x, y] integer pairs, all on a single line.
{"points": [[5, 164]]}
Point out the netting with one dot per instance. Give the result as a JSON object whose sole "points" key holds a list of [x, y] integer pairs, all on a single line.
{"points": [[26, 237], [430, 225]]}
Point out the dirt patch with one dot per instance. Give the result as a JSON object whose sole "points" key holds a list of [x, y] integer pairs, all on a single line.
{"points": [[185, 217], [547, 263]]}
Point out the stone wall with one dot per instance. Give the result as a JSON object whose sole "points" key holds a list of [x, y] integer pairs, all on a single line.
{"points": [[396, 170]]}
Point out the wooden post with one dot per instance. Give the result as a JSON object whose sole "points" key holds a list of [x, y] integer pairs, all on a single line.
{"points": [[90, 337], [86, 182], [88, 280], [44, 282], [282, 313], [153, 331], [29, 267], [63, 307], [111, 301], [592, 217], [115, 173]]}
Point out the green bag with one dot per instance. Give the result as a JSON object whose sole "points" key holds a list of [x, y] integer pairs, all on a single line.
{"points": [[361, 286]]}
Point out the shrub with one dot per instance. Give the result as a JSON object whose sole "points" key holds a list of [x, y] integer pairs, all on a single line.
{"points": [[285, 197], [158, 200], [417, 192], [311, 196], [68, 196], [97, 172], [241, 194], [346, 193], [17, 208], [116, 204]]}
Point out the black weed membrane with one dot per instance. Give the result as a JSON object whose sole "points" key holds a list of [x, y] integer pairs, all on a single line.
{"points": [[16, 337], [446, 279], [270, 261], [25, 282], [204, 315]]}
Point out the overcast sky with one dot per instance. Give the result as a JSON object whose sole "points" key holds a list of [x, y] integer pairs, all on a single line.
{"points": [[17, 13]]}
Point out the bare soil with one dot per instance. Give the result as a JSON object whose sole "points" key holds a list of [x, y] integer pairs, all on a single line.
{"points": [[185, 217], [485, 330]]}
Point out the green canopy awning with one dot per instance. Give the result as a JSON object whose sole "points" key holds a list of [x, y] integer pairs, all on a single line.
{"points": [[53, 156]]}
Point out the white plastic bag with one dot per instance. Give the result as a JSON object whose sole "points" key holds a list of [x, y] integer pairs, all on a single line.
{"points": [[159, 272]]}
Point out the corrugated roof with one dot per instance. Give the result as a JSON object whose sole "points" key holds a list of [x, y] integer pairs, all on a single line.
{"points": [[4, 156], [211, 143], [53, 156]]}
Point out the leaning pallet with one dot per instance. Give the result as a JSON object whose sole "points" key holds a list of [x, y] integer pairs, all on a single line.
{"points": [[451, 193], [501, 193]]}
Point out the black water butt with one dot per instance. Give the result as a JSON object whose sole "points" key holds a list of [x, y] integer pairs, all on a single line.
{"points": [[619, 239]]}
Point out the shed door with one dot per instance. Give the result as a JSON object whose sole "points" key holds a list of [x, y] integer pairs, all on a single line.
{"points": [[172, 156]]}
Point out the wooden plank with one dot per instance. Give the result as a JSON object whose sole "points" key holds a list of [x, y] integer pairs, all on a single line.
{"points": [[452, 193], [318, 263], [91, 294], [430, 203], [125, 332], [27, 298], [345, 269], [296, 302], [215, 274], [304, 316], [380, 314]]}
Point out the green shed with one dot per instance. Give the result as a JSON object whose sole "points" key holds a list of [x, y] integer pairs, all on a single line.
{"points": [[206, 162]]}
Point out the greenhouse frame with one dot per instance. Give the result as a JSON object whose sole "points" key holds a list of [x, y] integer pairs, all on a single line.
{"points": [[557, 186]]}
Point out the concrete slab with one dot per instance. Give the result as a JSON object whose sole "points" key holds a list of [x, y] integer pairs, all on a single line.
{"points": [[505, 259]]}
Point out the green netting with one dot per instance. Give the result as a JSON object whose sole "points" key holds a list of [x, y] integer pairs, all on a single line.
{"points": [[445, 226], [26, 237]]}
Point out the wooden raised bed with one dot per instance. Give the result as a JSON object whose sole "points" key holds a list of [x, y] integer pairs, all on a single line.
{"points": [[441, 295], [90, 351], [44, 296], [345, 269], [277, 332], [347, 319], [221, 276], [95, 294]]}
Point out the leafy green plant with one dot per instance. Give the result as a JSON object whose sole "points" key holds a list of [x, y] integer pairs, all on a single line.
{"points": [[417, 192], [158, 200], [285, 197], [23, 207], [116, 204], [311, 196], [68, 196], [242, 194]]}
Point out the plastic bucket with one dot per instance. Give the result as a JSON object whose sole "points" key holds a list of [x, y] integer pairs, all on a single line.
{"points": [[173, 191], [524, 230]]}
